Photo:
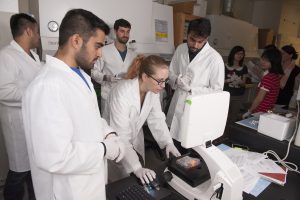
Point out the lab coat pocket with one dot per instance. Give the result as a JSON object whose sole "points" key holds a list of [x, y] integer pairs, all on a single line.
{"points": [[60, 188]]}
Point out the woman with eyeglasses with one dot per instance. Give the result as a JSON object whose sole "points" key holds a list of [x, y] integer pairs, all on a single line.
{"points": [[132, 103], [235, 81]]}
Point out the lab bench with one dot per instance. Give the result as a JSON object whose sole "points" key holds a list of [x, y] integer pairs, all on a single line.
{"points": [[237, 134]]}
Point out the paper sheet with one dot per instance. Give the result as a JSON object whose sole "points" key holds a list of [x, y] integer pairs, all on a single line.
{"points": [[248, 164]]}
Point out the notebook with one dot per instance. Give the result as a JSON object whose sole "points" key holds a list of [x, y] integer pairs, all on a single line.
{"points": [[279, 178]]}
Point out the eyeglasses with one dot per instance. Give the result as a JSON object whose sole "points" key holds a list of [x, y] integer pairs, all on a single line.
{"points": [[159, 82]]}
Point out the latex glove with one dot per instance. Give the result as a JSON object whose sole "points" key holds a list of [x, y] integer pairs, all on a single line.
{"points": [[145, 175], [170, 148], [110, 78], [115, 148], [247, 114], [183, 83]]}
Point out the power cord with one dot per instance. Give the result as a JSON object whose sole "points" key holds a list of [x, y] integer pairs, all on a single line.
{"points": [[218, 192], [289, 165], [215, 192]]}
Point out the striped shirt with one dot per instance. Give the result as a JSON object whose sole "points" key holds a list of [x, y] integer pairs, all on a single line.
{"points": [[271, 84]]}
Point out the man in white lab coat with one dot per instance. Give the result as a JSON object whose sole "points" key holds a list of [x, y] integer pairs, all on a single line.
{"points": [[18, 66], [195, 68], [116, 58], [68, 141]]}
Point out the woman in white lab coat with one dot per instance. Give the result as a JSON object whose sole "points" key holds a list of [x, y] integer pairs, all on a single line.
{"points": [[132, 103]]}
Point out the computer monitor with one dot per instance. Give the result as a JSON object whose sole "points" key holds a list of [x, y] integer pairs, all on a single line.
{"points": [[204, 118]]}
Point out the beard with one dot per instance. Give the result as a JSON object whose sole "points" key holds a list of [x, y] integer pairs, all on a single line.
{"points": [[81, 59], [123, 40], [194, 50]]}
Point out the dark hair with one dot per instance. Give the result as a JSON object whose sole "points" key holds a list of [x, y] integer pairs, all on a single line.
{"points": [[19, 22], [200, 27], [145, 65], [121, 22], [289, 49], [233, 51], [274, 57], [270, 46], [82, 22]]}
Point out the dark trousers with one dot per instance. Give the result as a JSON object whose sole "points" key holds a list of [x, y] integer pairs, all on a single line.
{"points": [[15, 183]]}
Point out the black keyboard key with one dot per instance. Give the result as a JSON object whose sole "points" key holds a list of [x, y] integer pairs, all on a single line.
{"points": [[134, 192]]}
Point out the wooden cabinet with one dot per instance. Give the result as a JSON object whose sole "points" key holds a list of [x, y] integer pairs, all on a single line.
{"points": [[181, 21]]}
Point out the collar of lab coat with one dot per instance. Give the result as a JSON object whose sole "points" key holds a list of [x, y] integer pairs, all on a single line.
{"points": [[201, 52], [117, 53], [59, 64], [15, 45], [137, 98]]}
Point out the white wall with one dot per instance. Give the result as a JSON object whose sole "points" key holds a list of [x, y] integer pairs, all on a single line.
{"points": [[228, 32], [5, 33], [11, 6], [261, 13], [138, 12]]}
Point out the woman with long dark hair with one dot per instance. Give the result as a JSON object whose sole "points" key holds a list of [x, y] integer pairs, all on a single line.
{"points": [[291, 70], [235, 80], [268, 88]]}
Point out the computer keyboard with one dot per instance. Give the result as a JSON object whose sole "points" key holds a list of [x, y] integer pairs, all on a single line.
{"points": [[134, 192]]}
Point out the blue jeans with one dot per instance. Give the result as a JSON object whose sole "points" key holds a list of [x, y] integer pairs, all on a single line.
{"points": [[14, 185]]}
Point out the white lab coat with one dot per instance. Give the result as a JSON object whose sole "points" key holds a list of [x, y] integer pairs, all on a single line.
{"points": [[110, 63], [17, 70], [127, 117], [207, 74], [63, 132]]}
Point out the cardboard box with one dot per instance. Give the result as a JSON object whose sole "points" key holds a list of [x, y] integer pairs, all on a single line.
{"points": [[185, 7]]}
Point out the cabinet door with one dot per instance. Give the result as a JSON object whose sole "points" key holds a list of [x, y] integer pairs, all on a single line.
{"points": [[181, 22]]}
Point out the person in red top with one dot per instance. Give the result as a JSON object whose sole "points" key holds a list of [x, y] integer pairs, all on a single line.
{"points": [[268, 88]]}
